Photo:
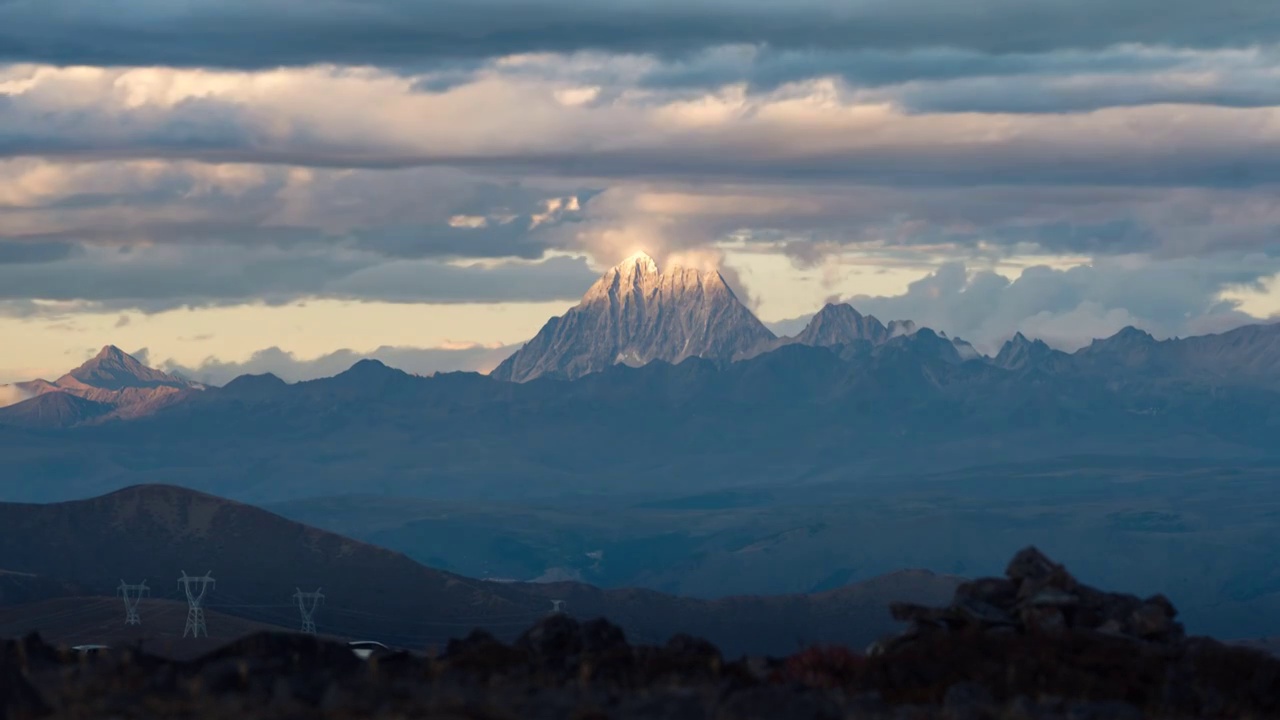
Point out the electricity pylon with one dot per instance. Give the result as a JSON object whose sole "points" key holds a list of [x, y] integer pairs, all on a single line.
{"points": [[132, 594], [195, 603], [557, 607], [307, 604]]}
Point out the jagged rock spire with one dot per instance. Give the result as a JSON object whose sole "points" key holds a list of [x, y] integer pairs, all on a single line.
{"points": [[634, 314]]}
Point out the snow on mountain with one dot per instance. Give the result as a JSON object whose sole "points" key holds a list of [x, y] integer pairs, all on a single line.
{"points": [[635, 314]]}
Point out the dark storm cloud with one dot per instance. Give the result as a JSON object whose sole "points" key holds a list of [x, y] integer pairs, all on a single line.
{"points": [[1224, 160], [1045, 94], [1115, 236], [392, 214], [559, 278], [514, 128], [192, 126], [26, 253], [766, 68], [252, 33], [154, 280], [1013, 164], [511, 239]]}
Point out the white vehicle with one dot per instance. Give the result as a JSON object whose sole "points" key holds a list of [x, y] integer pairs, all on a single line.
{"points": [[90, 649], [365, 648]]}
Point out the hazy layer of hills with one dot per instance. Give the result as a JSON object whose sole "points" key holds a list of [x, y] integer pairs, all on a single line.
{"points": [[259, 559], [909, 405], [1203, 533]]}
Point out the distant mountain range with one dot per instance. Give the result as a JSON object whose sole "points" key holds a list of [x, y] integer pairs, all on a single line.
{"points": [[910, 405], [259, 560], [636, 314], [656, 382]]}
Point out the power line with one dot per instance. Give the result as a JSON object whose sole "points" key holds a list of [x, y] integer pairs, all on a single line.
{"points": [[132, 595], [195, 610], [307, 604]]}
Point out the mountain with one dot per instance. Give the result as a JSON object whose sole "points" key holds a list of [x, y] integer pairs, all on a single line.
{"points": [[115, 370], [110, 384], [1019, 353], [1252, 351], [1248, 355], [21, 588], [259, 559], [52, 410], [842, 325], [252, 386], [635, 314]]}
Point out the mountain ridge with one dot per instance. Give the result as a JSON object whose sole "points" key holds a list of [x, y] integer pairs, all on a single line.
{"points": [[808, 410], [635, 314]]}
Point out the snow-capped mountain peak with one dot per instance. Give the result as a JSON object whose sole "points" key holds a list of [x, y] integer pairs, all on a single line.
{"points": [[637, 313]]}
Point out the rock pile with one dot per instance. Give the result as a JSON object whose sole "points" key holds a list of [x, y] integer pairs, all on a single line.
{"points": [[1034, 646], [1037, 595]]}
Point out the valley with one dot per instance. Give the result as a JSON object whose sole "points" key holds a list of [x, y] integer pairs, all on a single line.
{"points": [[1199, 532]]}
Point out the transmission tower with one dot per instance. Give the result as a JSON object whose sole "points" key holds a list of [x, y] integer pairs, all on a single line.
{"points": [[195, 603], [557, 607], [307, 604], [132, 594]]}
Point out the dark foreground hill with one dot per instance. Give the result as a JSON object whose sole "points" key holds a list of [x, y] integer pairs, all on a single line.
{"points": [[1033, 645], [259, 560], [19, 588], [72, 621]]}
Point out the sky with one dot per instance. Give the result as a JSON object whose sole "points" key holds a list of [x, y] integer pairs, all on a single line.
{"points": [[227, 186]]}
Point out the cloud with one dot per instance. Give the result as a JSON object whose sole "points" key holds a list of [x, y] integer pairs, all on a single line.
{"points": [[818, 130], [458, 152], [159, 278], [469, 357], [50, 208], [913, 227], [1068, 308], [10, 395], [250, 34], [952, 79], [21, 253], [365, 235]]}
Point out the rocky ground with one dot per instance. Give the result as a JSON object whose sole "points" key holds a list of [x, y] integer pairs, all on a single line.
{"points": [[1034, 644]]}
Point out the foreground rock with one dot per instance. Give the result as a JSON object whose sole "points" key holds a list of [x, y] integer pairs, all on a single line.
{"points": [[996, 652], [1038, 596]]}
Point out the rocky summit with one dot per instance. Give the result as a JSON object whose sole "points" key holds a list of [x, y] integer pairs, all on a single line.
{"points": [[1036, 644], [111, 384], [635, 314]]}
